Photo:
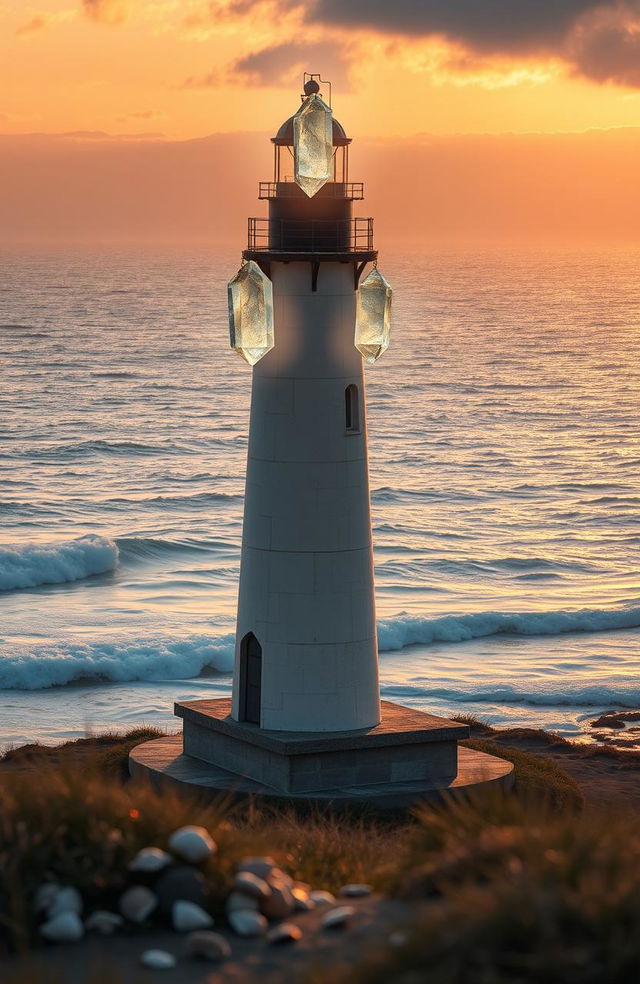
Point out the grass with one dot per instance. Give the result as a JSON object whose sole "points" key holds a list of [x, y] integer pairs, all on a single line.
{"points": [[504, 879], [507, 893]]}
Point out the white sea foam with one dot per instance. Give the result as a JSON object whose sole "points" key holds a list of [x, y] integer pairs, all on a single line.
{"points": [[411, 630], [34, 564], [36, 667]]}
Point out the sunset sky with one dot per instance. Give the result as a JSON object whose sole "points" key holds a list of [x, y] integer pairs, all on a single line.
{"points": [[407, 75]]}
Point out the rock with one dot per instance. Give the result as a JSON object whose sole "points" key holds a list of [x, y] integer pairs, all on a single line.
{"points": [[355, 891], [302, 900], [238, 901], [259, 866], [320, 897], [66, 927], [182, 884], [66, 900], [250, 884], [245, 922], [338, 918], [104, 922], [187, 916], [150, 860], [284, 933], [193, 844], [280, 902], [208, 946], [45, 896], [137, 903], [397, 938], [157, 960]]}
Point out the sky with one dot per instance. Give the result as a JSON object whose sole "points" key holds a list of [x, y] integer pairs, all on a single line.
{"points": [[520, 114]]}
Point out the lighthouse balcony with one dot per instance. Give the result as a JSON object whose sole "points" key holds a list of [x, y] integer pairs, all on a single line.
{"points": [[351, 190], [351, 236]]}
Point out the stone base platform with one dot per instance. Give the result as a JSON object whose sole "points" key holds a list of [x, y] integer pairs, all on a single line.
{"points": [[409, 756]]}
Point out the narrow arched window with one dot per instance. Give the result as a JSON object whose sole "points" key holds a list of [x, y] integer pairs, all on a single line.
{"points": [[352, 409]]}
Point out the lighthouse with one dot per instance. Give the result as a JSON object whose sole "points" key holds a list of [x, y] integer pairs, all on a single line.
{"points": [[307, 309], [306, 652]]}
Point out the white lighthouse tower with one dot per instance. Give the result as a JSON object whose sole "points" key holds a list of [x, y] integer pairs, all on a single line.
{"points": [[305, 718], [306, 652]]}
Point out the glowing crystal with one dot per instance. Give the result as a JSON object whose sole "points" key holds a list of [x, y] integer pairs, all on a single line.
{"points": [[250, 296], [373, 317], [313, 144]]}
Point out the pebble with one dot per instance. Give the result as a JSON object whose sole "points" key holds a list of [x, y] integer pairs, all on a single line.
{"points": [[398, 938], [280, 902], [284, 933], [137, 903], [356, 891], [208, 946], [320, 897], [238, 900], [302, 900], [157, 960], [193, 844], [180, 884], [45, 896], [66, 900], [244, 922], [150, 860], [338, 918], [186, 916], [104, 922], [250, 884], [66, 927], [259, 866]]}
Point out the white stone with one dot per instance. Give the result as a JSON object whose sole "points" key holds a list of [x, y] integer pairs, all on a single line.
{"points": [[284, 933], [238, 901], [45, 896], [187, 916], [244, 922], [67, 899], [137, 903], [249, 884], [193, 844], [66, 927], [320, 897], [356, 891], [301, 898], [150, 860], [157, 960], [262, 866], [104, 922], [338, 918], [208, 946], [280, 903]]}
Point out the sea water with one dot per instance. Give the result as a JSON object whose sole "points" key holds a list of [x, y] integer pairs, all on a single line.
{"points": [[504, 457]]}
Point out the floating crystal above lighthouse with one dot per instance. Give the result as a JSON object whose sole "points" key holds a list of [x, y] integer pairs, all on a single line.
{"points": [[313, 145], [373, 316], [250, 296]]}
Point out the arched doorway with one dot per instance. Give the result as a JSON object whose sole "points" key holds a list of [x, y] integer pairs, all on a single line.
{"points": [[250, 679]]}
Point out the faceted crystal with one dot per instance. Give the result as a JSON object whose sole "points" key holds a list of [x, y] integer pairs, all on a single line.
{"points": [[313, 144], [373, 317], [250, 296]]}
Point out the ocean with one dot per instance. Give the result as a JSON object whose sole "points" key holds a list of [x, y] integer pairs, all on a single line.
{"points": [[504, 457]]}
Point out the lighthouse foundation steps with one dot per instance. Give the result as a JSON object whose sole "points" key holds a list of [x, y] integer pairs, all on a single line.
{"points": [[410, 755]]}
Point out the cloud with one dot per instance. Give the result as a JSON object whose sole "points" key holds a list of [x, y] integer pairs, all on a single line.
{"points": [[282, 64], [37, 23], [606, 46], [106, 11]]}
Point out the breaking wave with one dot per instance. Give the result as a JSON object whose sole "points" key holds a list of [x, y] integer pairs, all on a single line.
{"points": [[56, 563]]}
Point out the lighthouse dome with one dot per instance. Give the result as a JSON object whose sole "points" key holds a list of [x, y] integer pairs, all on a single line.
{"points": [[284, 136]]}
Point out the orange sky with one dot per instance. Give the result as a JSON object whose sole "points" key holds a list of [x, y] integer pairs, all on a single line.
{"points": [[164, 71]]}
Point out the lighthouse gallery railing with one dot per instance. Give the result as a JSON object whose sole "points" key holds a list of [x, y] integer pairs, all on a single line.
{"points": [[311, 235]]}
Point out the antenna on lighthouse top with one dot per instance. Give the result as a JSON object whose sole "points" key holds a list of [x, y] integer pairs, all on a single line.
{"points": [[312, 84]]}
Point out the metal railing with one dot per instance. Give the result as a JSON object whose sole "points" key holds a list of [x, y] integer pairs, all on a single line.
{"points": [[311, 235], [353, 190]]}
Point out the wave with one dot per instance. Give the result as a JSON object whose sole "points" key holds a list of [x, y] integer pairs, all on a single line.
{"points": [[147, 658], [412, 630], [592, 696], [56, 563]]}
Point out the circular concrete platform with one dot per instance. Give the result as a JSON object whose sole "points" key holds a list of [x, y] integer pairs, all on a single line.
{"points": [[163, 761]]}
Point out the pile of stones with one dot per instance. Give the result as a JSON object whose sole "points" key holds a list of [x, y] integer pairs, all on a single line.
{"points": [[169, 885]]}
